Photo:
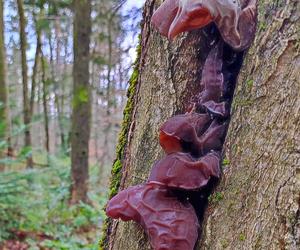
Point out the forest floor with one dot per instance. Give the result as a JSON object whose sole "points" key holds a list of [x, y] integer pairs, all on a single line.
{"points": [[34, 209]]}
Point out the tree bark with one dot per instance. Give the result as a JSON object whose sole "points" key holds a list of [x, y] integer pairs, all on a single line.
{"points": [[35, 65], [259, 203], [81, 101], [26, 102], [260, 186], [45, 104], [3, 90]]}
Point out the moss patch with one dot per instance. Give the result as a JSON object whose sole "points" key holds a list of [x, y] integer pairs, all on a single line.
{"points": [[116, 172]]}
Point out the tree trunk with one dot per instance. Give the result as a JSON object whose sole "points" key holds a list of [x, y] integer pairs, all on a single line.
{"points": [[3, 91], [26, 103], [35, 65], [81, 101], [261, 184], [45, 105], [259, 203]]}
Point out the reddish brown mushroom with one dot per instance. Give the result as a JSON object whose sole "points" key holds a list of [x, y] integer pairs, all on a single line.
{"points": [[212, 80], [164, 16], [191, 132], [236, 24], [213, 83], [213, 138], [182, 130], [170, 224], [180, 170], [168, 16], [160, 206]]}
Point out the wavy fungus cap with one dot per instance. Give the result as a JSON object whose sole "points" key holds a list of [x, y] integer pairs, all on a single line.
{"points": [[236, 25], [170, 224], [182, 171]]}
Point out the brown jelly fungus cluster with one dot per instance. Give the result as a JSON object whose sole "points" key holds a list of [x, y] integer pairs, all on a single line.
{"points": [[192, 141], [235, 19]]}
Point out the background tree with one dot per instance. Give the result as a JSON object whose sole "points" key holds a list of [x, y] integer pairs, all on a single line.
{"points": [[26, 103], [35, 209], [81, 101], [3, 92], [256, 205]]}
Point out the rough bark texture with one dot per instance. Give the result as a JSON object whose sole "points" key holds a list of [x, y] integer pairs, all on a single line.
{"points": [[260, 186], [26, 103], [81, 101], [257, 204]]}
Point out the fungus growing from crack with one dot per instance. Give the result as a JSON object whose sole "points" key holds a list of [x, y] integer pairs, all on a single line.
{"points": [[193, 133], [170, 224], [236, 21], [212, 82], [192, 141], [181, 131], [182, 171]]}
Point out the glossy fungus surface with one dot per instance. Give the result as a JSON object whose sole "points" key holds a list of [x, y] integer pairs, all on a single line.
{"points": [[182, 131], [181, 170], [236, 22], [192, 132], [170, 224], [192, 141], [212, 82], [164, 16]]}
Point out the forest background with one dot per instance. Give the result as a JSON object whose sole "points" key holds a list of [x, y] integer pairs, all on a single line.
{"points": [[64, 72]]}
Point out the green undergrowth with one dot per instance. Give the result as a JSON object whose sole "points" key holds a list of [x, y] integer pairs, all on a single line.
{"points": [[34, 208]]}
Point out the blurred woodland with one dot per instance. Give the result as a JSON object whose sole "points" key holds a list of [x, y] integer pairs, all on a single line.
{"points": [[64, 70]]}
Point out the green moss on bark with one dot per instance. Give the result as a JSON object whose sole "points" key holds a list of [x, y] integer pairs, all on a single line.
{"points": [[116, 173]]}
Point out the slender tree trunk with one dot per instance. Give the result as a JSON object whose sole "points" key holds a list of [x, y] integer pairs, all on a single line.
{"points": [[109, 98], [26, 103], [63, 130], [54, 71], [35, 67], [40, 109], [45, 104], [81, 101], [259, 208], [59, 87], [109, 67], [4, 121]]}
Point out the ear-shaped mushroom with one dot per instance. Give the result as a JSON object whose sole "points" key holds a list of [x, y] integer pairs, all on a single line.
{"points": [[189, 133], [169, 223], [164, 16], [213, 83], [213, 138], [237, 26], [182, 171], [182, 130], [212, 80], [192, 14]]}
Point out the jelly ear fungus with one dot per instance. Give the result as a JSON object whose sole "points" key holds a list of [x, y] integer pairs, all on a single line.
{"points": [[170, 205], [169, 223], [236, 20]]}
